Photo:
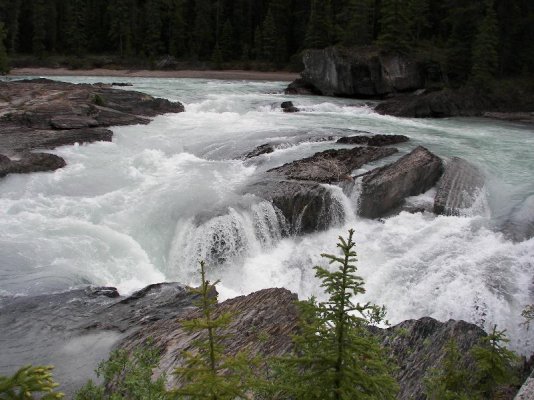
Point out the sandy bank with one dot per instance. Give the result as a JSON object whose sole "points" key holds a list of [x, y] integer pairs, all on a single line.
{"points": [[226, 74]]}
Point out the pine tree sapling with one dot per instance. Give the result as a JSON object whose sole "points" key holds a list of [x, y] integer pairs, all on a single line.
{"points": [[208, 373], [336, 356], [28, 382], [451, 381], [494, 363], [128, 376]]}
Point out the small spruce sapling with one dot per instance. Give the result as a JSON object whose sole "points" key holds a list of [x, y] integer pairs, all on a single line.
{"points": [[494, 363], [208, 373], [127, 377], [28, 382], [335, 355]]}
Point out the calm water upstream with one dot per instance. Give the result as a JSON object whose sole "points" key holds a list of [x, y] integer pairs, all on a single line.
{"points": [[146, 207]]}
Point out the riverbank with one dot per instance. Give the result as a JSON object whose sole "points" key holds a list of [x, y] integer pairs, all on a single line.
{"points": [[202, 74]]}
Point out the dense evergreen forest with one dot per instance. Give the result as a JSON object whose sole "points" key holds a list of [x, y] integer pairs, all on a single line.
{"points": [[493, 37]]}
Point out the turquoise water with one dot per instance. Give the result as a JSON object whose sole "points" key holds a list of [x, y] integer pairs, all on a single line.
{"points": [[146, 207]]}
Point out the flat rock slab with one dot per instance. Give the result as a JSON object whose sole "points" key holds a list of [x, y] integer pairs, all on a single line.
{"points": [[375, 140], [42, 113], [458, 188], [331, 165], [385, 188]]}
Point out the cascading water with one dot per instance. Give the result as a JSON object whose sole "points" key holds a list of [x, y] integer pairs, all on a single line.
{"points": [[148, 206]]}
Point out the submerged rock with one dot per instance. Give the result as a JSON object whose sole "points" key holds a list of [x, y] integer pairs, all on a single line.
{"points": [[258, 151], [288, 107], [301, 86], [385, 188], [375, 140], [519, 226], [458, 188], [331, 165]]}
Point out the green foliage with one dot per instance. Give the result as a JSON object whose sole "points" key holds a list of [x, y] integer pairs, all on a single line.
{"points": [[494, 367], [128, 377], [359, 27], [269, 37], [319, 32], [99, 100], [120, 30], [39, 33], [394, 26], [209, 373], [226, 42], [28, 382], [528, 314], [4, 62], [452, 381], [494, 363], [485, 48], [335, 355]]}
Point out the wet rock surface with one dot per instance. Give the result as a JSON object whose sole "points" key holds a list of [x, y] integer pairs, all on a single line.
{"points": [[306, 206], [375, 140], [458, 188], [30, 162], [519, 225], [42, 113], [385, 188], [331, 165]]}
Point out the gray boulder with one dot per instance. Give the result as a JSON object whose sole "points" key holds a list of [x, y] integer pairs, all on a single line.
{"points": [[306, 206], [385, 188], [331, 165], [31, 162], [458, 188], [360, 72]]}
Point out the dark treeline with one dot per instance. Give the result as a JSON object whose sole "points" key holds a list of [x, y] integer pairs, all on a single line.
{"points": [[465, 36]]}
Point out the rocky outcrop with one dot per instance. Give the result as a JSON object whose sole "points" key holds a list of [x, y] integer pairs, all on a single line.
{"points": [[306, 206], [42, 113], [375, 140], [331, 165], [359, 72], [458, 188], [262, 324], [30, 162], [384, 189], [527, 390], [418, 346], [258, 151], [439, 104]]}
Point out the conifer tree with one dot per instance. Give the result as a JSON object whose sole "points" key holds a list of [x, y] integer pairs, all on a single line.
{"points": [[335, 355], [226, 42], [359, 28], [417, 18], [209, 373], [152, 38], [120, 30], [203, 30], [485, 55], [178, 26], [4, 63], [258, 43], [320, 30], [76, 31], [393, 26], [39, 33], [28, 382], [494, 363], [269, 37]]}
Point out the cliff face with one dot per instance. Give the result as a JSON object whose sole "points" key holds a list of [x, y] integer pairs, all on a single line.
{"points": [[363, 73]]}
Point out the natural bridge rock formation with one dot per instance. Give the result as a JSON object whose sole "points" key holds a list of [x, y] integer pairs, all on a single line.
{"points": [[384, 189], [44, 114], [458, 188], [359, 72]]}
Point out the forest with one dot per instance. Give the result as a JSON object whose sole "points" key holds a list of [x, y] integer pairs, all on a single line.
{"points": [[455, 33]]}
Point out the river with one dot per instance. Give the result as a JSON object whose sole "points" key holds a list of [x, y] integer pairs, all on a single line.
{"points": [[147, 206]]}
